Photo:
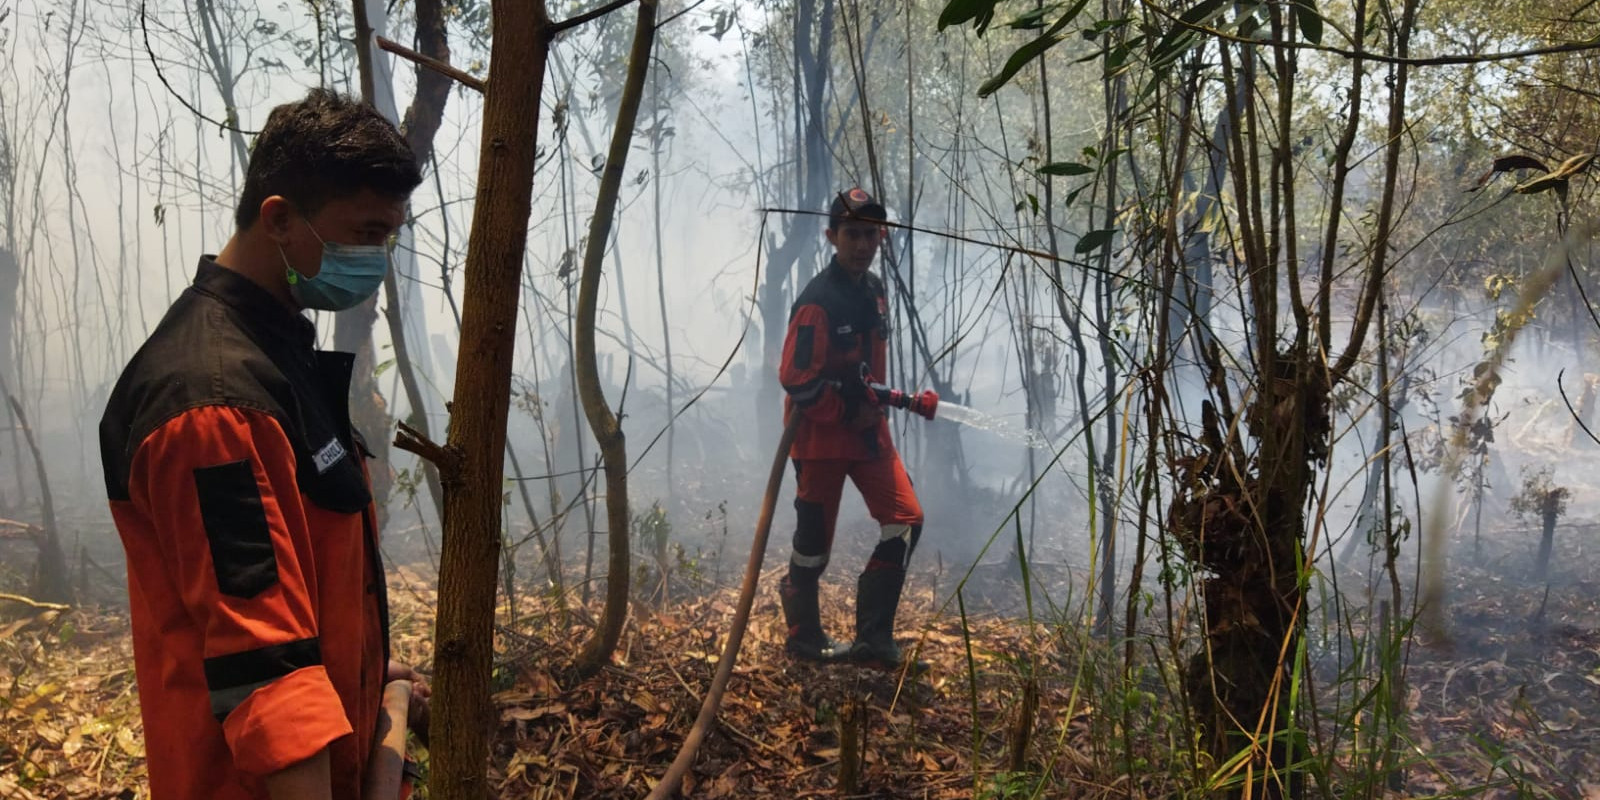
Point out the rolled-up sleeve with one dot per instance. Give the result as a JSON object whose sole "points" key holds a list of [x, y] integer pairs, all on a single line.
{"points": [[219, 484]]}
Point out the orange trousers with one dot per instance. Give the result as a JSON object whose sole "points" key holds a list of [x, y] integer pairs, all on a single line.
{"points": [[889, 496]]}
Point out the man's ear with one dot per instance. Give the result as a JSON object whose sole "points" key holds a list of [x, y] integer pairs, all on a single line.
{"points": [[883, 233], [276, 218], [833, 235]]}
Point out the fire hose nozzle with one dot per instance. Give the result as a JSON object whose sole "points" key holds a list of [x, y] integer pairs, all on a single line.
{"points": [[925, 402]]}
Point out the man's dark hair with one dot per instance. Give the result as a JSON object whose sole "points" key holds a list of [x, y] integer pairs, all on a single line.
{"points": [[324, 148]]}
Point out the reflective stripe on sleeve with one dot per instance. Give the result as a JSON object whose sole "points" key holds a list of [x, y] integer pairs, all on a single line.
{"points": [[231, 678]]}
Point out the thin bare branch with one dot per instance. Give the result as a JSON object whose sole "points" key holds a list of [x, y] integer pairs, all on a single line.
{"points": [[144, 26], [446, 458], [589, 16], [1454, 59], [465, 79]]}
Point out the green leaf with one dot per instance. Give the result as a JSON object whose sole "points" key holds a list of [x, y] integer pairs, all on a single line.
{"points": [[1066, 169], [1310, 22], [1117, 59], [958, 12], [1033, 20], [1032, 50], [382, 368], [1024, 56], [1094, 240], [1183, 34]]}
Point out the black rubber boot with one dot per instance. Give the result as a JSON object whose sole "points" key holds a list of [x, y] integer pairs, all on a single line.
{"points": [[806, 640], [877, 601]]}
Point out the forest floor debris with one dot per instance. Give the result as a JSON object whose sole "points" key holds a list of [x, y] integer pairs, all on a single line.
{"points": [[1512, 703]]}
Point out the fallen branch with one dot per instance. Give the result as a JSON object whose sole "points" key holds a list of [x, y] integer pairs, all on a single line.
{"points": [[13, 529], [37, 605]]}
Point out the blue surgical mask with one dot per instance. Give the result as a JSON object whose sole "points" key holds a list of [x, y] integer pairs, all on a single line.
{"points": [[350, 274]]}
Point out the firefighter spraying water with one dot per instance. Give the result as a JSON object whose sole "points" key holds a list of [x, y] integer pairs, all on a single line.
{"points": [[833, 358], [834, 427]]}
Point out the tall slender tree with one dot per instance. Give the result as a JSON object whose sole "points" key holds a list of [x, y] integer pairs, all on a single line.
{"points": [[602, 420]]}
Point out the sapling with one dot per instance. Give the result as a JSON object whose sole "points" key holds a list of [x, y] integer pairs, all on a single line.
{"points": [[1541, 499]]}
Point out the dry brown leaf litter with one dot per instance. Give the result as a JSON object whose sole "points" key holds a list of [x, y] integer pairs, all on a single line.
{"points": [[1512, 702]]}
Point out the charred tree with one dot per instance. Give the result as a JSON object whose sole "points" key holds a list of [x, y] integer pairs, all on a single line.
{"points": [[352, 329], [51, 581], [421, 123], [812, 174], [1240, 510]]}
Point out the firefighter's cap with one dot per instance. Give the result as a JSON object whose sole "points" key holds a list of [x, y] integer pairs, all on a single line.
{"points": [[855, 204]]}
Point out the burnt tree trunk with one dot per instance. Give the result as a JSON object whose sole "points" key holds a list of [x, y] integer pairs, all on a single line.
{"points": [[1552, 504], [472, 463], [607, 428], [10, 282], [1242, 520], [51, 581], [801, 234], [421, 123], [352, 329]]}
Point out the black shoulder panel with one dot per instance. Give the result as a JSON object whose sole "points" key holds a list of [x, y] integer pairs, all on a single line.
{"points": [[199, 355]]}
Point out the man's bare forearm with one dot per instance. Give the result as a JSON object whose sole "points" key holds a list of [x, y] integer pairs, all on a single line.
{"points": [[311, 779]]}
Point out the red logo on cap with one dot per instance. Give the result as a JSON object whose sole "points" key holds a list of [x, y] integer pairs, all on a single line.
{"points": [[859, 196]]}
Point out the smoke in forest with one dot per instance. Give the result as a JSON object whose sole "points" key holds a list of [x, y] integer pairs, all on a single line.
{"points": [[723, 203]]}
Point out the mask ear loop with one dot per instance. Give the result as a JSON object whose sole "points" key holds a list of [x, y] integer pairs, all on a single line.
{"points": [[289, 272]]}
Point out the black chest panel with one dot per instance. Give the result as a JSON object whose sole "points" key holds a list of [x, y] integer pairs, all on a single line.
{"points": [[327, 451], [857, 311]]}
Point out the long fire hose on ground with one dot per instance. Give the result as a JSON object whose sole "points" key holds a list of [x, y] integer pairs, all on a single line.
{"points": [[741, 619], [923, 403]]}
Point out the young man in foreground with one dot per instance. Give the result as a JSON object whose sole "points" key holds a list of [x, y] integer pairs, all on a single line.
{"points": [[257, 595]]}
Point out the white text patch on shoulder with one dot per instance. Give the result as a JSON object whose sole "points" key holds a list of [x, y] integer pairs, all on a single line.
{"points": [[328, 455]]}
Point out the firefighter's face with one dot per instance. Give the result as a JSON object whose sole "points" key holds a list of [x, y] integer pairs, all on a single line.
{"points": [[855, 243], [364, 218]]}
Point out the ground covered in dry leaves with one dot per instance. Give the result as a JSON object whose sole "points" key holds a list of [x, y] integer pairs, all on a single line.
{"points": [[1510, 707]]}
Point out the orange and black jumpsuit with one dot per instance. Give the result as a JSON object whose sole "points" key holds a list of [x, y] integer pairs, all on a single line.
{"points": [[838, 323], [257, 595]]}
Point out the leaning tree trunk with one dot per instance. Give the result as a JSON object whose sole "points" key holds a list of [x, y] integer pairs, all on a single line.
{"points": [[607, 428], [472, 463]]}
